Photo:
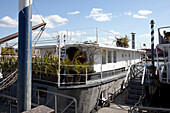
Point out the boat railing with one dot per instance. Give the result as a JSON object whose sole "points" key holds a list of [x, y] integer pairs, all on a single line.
{"points": [[72, 74], [143, 75], [164, 72], [136, 70], [128, 74], [92, 36], [132, 72], [85, 76], [41, 96], [48, 72]]}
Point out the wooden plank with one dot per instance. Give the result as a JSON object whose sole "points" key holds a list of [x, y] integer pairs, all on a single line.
{"points": [[40, 109]]}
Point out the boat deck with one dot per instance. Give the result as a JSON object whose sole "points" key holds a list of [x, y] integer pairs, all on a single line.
{"points": [[114, 108]]}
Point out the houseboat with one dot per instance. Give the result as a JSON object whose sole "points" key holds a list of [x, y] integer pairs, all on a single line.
{"points": [[105, 67], [77, 76]]}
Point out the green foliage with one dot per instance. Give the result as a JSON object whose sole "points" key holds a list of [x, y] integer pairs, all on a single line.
{"points": [[47, 65], [7, 50], [124, 41], [8, 63]]}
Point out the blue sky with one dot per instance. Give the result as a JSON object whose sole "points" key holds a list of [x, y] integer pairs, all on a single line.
{"points": [[118, 16]]}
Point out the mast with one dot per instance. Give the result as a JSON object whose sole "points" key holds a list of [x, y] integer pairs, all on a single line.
{"points": [[24, 56]]}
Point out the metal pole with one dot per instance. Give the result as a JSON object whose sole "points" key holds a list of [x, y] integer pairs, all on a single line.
{"points": [[24, 56], [59, 60], [38, 97], [152, 44], [101, 64], [96, 34], [86, 74], [55, 103]]}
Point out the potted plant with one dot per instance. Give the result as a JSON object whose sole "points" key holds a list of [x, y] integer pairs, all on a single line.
{"points": [[66, 65], [77, 69]]}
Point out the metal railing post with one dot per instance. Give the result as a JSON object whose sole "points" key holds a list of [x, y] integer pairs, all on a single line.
{"points": [[59, 61], [96, 34], [101, 64], [167, 73], [38, 98], [86, 74], [55, 103]]}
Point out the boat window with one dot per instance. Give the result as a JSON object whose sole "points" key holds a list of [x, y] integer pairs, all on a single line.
{"points": [[109, 56], [122, 55], [114, 57], [104, 57], [129, 55]]}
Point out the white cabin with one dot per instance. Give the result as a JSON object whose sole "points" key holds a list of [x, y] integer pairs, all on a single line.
{"points": [[106, 57]]}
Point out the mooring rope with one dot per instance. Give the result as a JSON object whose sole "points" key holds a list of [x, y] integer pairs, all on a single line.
{"points": [[9, 80]]}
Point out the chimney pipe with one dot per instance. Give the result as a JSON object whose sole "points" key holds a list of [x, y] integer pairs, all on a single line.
{"points": [[133, 40]]}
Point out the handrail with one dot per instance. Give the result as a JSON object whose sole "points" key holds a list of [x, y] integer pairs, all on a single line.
{"points": [[143, 76], [164, 64], [167, 77], [127, 75]]}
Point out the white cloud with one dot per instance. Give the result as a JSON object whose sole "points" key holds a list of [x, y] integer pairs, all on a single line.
{"points": [[61, 24], [139, 16], [111, 38], [114, 32], [8, 22], [52, 20], [145, 36], [104, 39], [79, 33], [65, 33], [128, 13], [144, 12], [98, 15], [73, 13], [91, 38], [45, 34]]}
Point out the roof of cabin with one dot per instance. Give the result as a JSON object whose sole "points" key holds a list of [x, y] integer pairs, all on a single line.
{"points": [[88, 44]]}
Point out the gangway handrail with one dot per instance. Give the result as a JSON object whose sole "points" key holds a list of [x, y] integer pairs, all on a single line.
{"points": [[127, 75], [164, 64], [167, 73], [143, 76], [129, 70]]}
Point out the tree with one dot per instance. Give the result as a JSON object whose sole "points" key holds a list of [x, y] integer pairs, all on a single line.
{"points": [[122, 42]]}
